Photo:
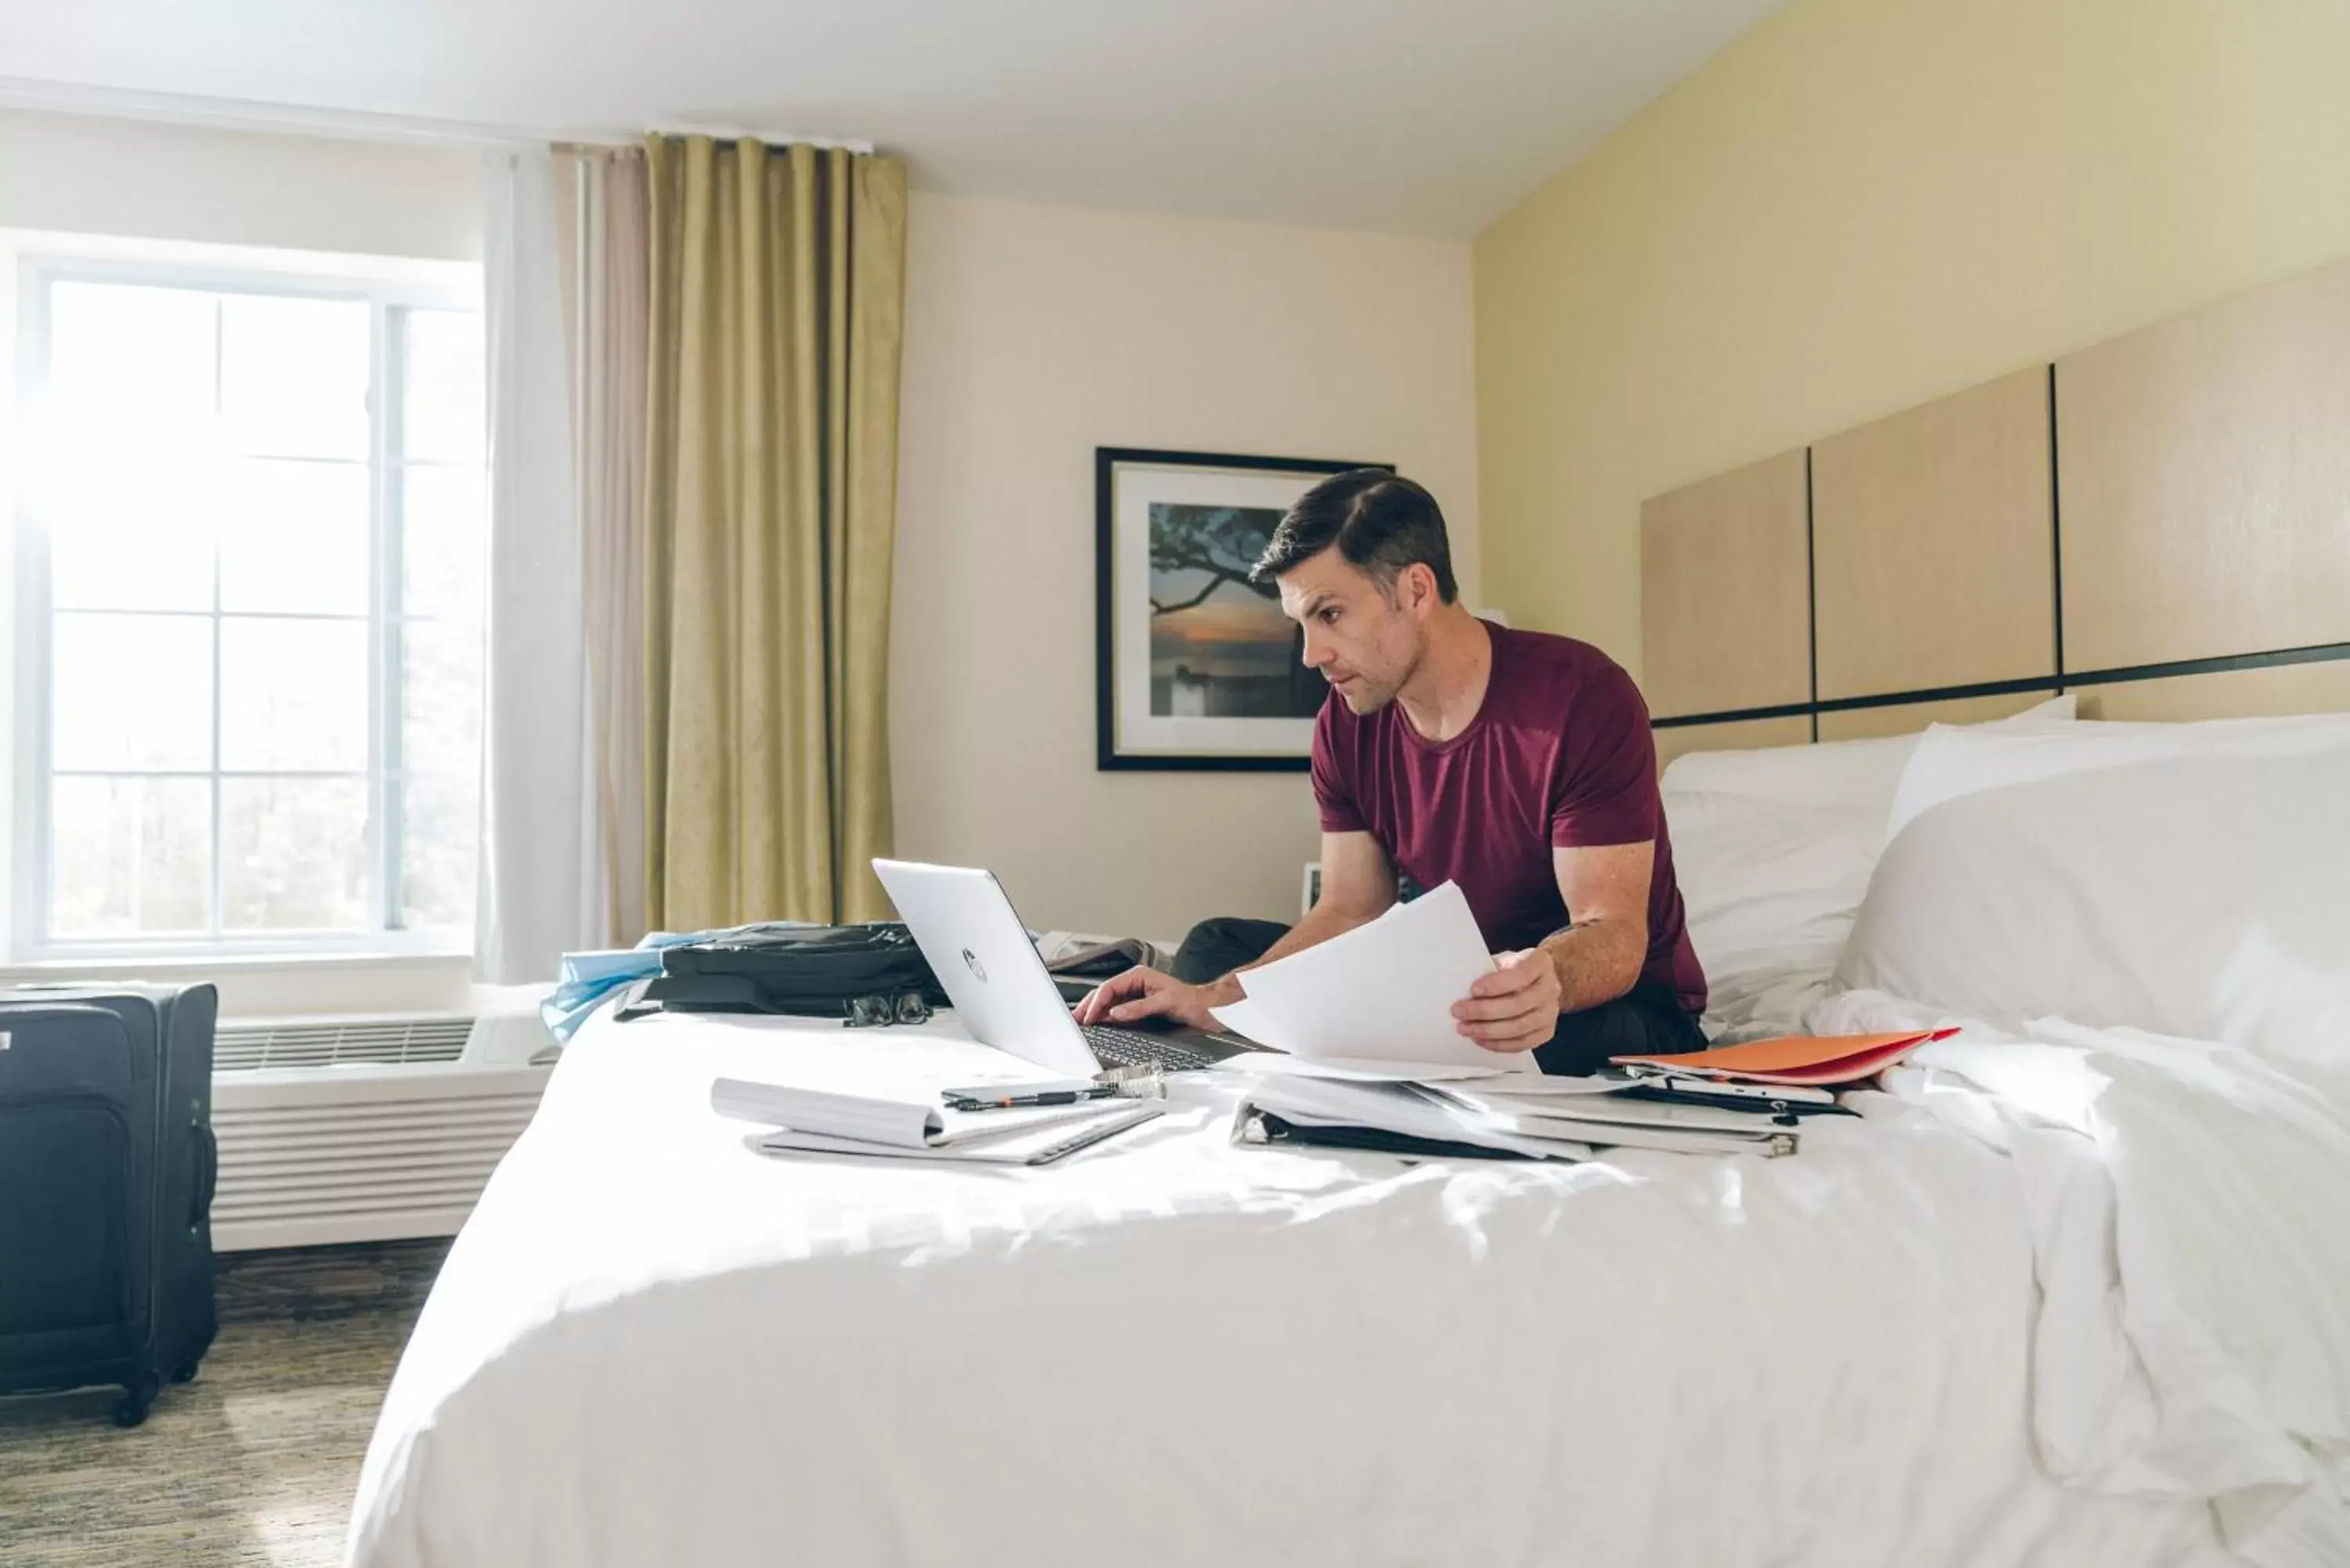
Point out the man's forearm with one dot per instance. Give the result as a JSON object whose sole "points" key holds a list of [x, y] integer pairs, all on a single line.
{"points": [[1597, 961], [1322, 922]]}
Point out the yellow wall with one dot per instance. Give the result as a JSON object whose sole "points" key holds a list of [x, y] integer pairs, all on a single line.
{"points": [[1863, 204]]}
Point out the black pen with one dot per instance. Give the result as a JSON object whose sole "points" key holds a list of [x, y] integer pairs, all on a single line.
{"points": [[1049, 1098]]}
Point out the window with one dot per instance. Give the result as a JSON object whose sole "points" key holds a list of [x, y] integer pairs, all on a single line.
{"points": [[251, 543]]}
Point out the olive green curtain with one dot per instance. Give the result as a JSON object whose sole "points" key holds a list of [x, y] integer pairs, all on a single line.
{"points": [[777, 282]]}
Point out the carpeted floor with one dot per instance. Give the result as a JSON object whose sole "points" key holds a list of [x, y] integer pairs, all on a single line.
{"points": [[253, 1462]]}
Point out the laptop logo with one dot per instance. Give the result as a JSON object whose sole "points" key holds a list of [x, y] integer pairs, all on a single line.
{"points": [[971, 962]]}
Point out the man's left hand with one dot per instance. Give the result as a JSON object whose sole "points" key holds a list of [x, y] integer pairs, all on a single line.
{"points": [[1515, 1007]]}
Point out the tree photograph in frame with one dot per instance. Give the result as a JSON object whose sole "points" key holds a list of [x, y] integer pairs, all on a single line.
{"points": [[1196, 667]]}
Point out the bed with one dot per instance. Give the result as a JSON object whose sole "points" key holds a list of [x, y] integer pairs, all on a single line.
{"points": [[2073, 1290], [2064, 1293]]}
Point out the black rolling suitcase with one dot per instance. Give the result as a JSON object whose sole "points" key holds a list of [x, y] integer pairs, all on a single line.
{"points": [[107, 1167]]}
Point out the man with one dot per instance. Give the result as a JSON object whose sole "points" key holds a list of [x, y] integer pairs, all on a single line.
{"points": [[1515, 763]]}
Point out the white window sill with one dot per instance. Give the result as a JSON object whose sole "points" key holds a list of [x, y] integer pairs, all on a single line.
{"points": [[278, 985], [122, 964]]}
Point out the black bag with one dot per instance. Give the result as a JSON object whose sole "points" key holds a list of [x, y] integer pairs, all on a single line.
{"points": [[863, 974], [1076, 975], [106, 1171]]}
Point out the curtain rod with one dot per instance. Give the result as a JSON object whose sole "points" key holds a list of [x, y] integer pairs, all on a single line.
{"points": [[297, 120], [773, 138]]}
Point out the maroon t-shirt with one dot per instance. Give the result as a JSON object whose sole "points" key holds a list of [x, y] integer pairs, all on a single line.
{"points": [[1559, 754]]}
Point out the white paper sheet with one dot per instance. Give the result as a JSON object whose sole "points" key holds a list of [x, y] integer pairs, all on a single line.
{"points": [[1538, 1085], [1349, 1070], [1382, 992]]}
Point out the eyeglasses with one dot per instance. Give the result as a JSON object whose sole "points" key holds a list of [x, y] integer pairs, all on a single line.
{"points": [[879, 1012]]}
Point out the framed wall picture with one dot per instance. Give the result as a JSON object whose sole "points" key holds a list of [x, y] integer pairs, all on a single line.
{"points": [[1195, 667]]}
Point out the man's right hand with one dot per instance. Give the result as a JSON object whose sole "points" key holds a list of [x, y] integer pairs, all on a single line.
{"points": [[1141, 993]]}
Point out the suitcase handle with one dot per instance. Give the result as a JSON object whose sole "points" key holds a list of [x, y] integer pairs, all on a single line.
{"points": [[207, 1174]]}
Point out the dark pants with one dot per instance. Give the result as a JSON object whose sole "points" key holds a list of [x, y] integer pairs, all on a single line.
{"points": [[1646, 1020]]}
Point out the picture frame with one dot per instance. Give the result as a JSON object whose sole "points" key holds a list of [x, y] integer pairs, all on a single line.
{"points": [[1196, 670]]}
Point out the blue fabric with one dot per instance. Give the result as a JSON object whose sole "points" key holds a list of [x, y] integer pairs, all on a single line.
{"points": [[585, 981]]}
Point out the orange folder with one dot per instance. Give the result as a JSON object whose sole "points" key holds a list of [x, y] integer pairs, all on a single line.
{"points": [[1797, 1059]]}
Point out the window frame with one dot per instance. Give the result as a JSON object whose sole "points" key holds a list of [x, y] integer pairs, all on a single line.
{"points": [[33, 265]]}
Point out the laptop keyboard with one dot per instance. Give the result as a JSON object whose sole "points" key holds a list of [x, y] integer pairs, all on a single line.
{"points": [[1126, 1048]]}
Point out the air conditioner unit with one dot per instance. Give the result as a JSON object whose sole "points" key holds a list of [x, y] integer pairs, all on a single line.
{"points": [[365, 1128]]}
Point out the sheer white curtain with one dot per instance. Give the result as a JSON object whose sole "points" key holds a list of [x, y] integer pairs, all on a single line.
{"points": [[540, 880], [563, 814]]}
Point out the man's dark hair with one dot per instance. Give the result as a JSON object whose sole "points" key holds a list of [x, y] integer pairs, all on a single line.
{"points": [[1381, 523]]}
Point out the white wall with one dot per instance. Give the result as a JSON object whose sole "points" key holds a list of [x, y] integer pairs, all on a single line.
{"points": [[77, 175], [1035, 334], [63, 175]]}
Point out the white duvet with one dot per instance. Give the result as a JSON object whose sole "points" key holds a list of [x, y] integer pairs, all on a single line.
{"points": [[2016, 1317], [2189, 1206]]}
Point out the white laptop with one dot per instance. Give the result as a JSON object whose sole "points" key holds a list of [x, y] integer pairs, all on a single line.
{"points": [[980, 952]]}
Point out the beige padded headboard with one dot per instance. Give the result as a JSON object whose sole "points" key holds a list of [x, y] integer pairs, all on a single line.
{"points": [[2224, 694], [2161, 523], [1934, 538], [1723, 565], [2206, 482]]}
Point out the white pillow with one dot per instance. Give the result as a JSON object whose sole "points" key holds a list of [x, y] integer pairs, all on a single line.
{"points": [[1765, 879], [1772, 848], [2191, 884], [1858, 774], [1949, 762]]}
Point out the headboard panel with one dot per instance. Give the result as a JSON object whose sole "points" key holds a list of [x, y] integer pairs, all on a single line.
{"points": [[2224, 694], [2161, 522], [1726, 589], [1933, 535], [2205, 481]]}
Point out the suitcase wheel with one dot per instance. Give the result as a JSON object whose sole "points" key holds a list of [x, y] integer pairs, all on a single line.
{"points": [[184, 1373], [130, 1410]]}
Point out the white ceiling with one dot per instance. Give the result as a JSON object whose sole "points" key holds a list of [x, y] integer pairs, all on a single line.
{"points": [[1408, 115]]}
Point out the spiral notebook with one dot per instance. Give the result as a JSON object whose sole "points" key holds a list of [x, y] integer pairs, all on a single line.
{"points": [[1033, 1145]]}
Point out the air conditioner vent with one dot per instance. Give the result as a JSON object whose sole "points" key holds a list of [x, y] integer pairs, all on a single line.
{"points": [[340, 1042], [359, 1153]]}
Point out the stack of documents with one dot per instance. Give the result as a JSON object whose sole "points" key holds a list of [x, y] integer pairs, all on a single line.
{"points": [[812, 1121], [1490, 1112], [1382, 993], [1611, 1113], [1371, 1058]]}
